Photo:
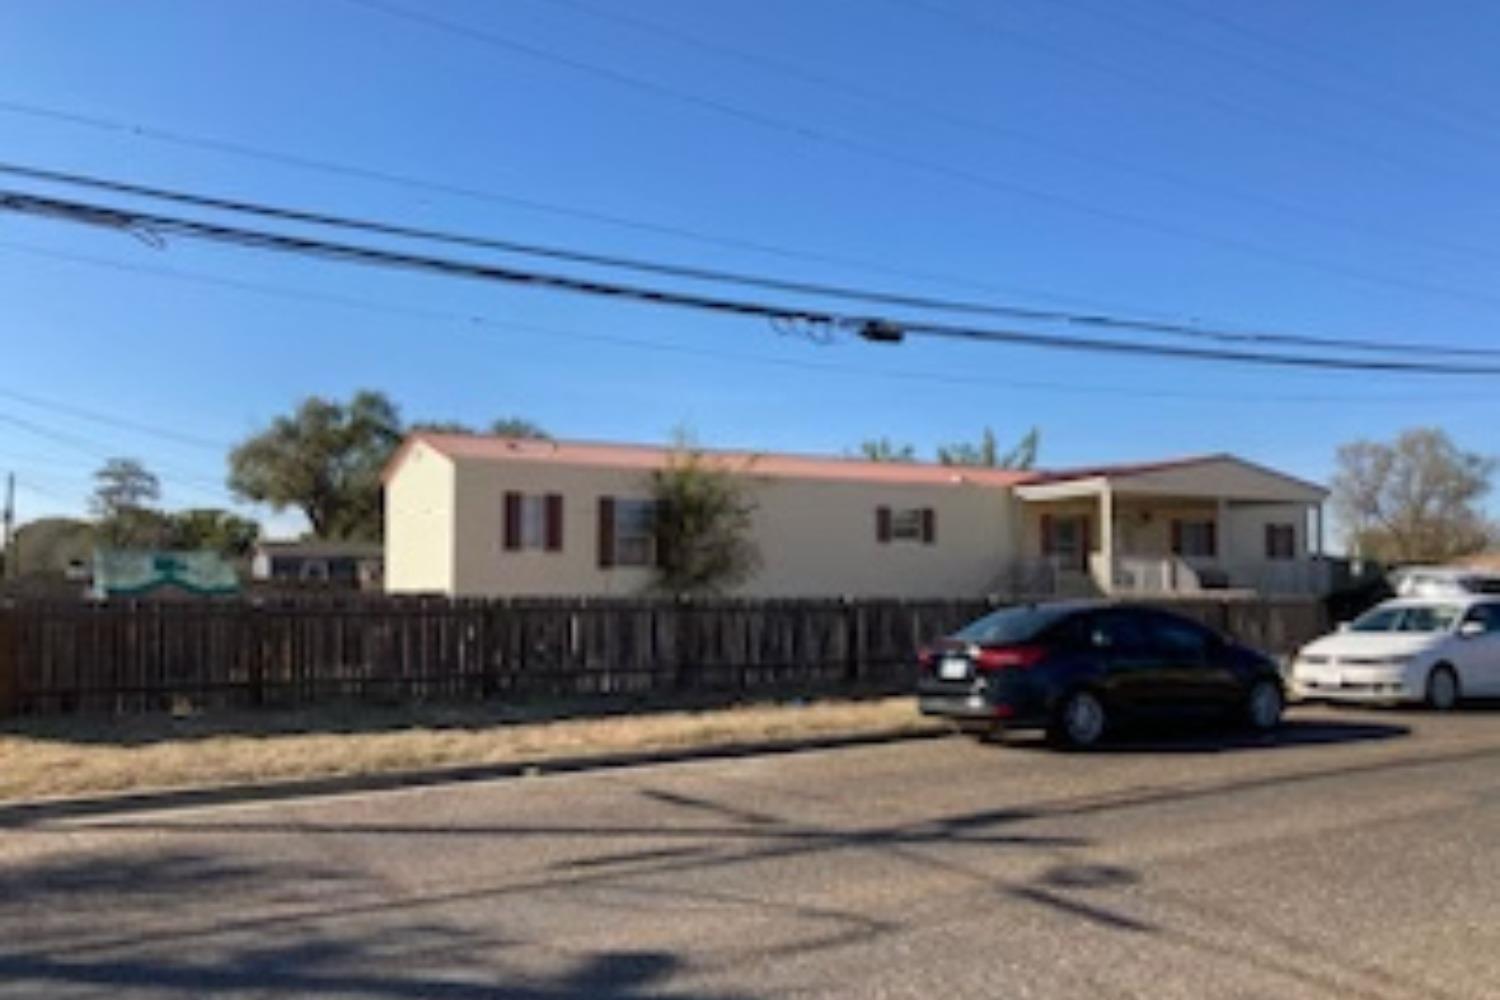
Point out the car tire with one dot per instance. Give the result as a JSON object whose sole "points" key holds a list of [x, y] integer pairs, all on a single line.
{"points": [[1443, 690], [1079, 722], [1264, 705]]}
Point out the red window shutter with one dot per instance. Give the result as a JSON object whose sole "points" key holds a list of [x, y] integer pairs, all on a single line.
{"points": [[512, 536], [929, 526], [1213, 539], [1177, 538], [606, 532], [882, 525], [1049, 542], [554, 522]]}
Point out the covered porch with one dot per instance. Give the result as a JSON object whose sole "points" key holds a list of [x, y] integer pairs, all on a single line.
{"points": [[1212, 524]]}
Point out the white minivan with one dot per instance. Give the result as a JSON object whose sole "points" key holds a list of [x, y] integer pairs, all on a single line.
{"points": [[1432, 650]]}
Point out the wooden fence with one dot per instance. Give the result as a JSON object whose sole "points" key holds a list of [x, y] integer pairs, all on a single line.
{"points": [[125, 657]]}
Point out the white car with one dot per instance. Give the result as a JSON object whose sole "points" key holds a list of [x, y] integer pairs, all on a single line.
{"points": [[1432, 650]]}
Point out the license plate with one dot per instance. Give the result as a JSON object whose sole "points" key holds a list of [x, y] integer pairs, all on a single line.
{"points": [[953, 668]]}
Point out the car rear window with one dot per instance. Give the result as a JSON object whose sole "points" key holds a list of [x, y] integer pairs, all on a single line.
{"points": [[1011, 625], [1408, 618]]}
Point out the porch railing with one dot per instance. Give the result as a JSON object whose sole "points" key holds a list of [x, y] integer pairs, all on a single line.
{"points": [[1130, 575]]}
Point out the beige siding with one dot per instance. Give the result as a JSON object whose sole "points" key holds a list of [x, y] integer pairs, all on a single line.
{"points": [[817, 537], [419, 527], [485, 568], [1247, 525]]}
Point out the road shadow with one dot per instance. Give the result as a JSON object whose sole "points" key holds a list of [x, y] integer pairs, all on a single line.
{"points": [[1207, 738], [170, 923]]}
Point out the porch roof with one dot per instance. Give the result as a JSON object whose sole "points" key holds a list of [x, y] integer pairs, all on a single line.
{"points": [[1216, 477]]}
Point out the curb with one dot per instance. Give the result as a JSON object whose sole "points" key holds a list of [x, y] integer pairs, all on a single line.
{"points": [[24, 813]]}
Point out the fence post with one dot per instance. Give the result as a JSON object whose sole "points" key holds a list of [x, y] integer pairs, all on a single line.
{"points": [[9, 663]]}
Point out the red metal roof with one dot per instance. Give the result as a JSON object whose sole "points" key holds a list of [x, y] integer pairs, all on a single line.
{"points": [[646, 457]]}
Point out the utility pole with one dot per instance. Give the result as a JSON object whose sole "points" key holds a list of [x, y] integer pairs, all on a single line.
{"points": [[8, 525]]}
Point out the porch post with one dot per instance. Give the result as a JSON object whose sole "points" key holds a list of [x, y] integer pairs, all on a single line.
{"points": [[1317, 548], [1221, 532], [1107, 537]]}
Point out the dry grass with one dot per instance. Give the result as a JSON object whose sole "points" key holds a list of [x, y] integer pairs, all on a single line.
{"points": [[62, 757]]}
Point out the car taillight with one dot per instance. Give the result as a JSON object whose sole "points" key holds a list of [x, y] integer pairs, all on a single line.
{"points": [[925, 660], [1009, 657]]}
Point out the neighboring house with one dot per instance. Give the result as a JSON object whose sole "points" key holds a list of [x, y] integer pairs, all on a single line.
{"points": [[344, 565], [136, 573], [471, 515]]}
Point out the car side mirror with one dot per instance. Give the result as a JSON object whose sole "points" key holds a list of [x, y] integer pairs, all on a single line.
{"points": [[1471, 629]]}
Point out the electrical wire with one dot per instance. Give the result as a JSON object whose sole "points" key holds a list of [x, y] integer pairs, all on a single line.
{"points": [[871, 328], [84, 446], [473, 323], [112, 420], [874, 297], [945, 169], [942, 112], [281, 158], [1223, 56], [970, 22]]}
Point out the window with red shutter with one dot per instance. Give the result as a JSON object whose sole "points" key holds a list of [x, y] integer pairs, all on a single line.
{"points": [[511, 536], [606, 532], [554, 521]]}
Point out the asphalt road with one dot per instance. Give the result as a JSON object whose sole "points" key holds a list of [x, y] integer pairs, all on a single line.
{"points": [[1357, 856]]}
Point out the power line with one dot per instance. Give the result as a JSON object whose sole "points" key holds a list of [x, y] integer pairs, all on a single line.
{"points": [[469, 321], [1033, 44], [873, 297], [939, 111], [947, 170], [1301, 81], [879, 329], [82, 445], [1324, 56], [110, 420], [184, 140]]}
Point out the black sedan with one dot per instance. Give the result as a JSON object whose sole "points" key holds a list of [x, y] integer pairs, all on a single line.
{"points": [[1075, 669]]}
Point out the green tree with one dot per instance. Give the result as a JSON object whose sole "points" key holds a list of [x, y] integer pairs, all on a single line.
{"points": [[986, 454], [49, 545], [518, 427], [324, 459], [885, 450], [124, 492], [1413, 500], [209, 528], [703, 513]]}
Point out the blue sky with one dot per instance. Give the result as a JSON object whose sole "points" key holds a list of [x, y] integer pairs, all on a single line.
{"points": [[1322, 168]]}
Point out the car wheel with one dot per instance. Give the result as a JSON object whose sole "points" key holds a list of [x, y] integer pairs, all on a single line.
{"points": [[1080, 722], [1263, 706], [1442, 689]]}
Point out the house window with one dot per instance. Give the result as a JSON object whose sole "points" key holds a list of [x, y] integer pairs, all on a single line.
{"points": [[532, 521], [635, 533], [1281, 541], [906, 524], [1195, 539], [1065, 540]]}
